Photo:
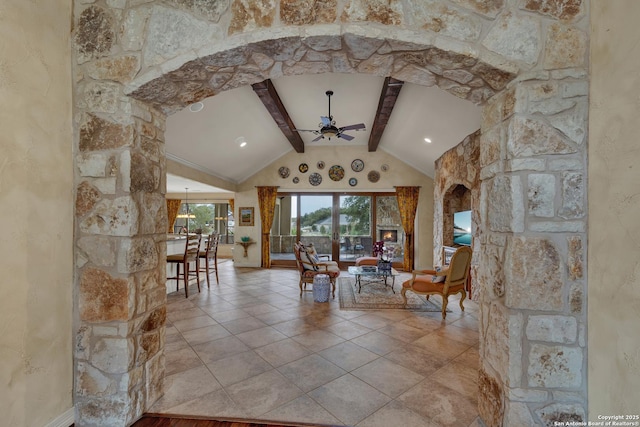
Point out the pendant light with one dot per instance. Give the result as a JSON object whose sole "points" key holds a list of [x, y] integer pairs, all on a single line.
{"points": [[187, 215]]}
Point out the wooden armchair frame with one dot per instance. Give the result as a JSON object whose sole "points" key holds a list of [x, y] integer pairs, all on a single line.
{"points": [[456, 275], [328, 267]]}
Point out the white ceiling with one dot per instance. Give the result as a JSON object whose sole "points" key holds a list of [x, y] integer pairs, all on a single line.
{"points": [[180, 185], [208, 139]]}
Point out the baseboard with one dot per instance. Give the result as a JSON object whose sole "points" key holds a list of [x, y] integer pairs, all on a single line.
{"points": [[65, 419]]}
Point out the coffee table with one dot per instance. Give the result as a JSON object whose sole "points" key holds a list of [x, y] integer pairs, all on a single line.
{"points": [[366, 276]]}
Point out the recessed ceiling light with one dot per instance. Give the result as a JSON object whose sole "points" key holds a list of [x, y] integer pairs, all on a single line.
{"points": [[195, 107], [427, 140], [241, 141]]}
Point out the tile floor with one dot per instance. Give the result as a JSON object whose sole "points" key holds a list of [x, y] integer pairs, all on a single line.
{"points": [[252, 348]]}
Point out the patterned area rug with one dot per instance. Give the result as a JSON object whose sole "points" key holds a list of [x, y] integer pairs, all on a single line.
{"points": [[377, 296]]}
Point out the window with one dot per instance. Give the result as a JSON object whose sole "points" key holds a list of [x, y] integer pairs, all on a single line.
{"points": [[207, 218]]}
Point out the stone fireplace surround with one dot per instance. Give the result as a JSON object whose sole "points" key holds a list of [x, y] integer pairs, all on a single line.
{"points": [[136, 62]]}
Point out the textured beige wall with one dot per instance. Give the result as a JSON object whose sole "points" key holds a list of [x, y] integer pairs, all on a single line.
{"points": [[399, 173], [614, 210], [36, 212]]}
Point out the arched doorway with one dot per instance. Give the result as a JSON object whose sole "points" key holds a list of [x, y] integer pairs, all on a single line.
{"points": [[137, 64]]}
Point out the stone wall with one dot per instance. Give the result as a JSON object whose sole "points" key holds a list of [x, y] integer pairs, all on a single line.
{"points": [[120, 252], [460, 166], [526, 60], [533, 219]]}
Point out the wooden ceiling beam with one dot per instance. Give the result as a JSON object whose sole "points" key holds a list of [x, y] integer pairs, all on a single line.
{"points": [[271, 100], [388, 97]]}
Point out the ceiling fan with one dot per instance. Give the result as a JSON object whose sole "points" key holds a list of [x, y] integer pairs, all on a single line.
{"points": [[328, 126]]}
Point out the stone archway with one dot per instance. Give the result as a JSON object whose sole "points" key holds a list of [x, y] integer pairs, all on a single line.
{"points": [[135, 64]]}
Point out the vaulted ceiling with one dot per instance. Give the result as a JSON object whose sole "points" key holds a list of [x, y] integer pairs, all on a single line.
{"points": [[398, 117]]}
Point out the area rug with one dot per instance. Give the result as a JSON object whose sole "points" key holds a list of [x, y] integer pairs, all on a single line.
{"points": [[377, 296]]}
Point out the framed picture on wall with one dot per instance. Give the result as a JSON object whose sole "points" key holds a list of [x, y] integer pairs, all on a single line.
{"points": [[246, 216]]}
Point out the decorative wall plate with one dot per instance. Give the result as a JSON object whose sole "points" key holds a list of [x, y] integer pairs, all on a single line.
{"points": [[357, 165], [373, 176], [336, 172], [296, 180], [315, 179], [303, 167], [320, 164], [384, 167], [283, 172], [353, 182]]}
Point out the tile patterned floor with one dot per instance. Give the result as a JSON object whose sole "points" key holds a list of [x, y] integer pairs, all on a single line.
{"points": [[252, 348]]}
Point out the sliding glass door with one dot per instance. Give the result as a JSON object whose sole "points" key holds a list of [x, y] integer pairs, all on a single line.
{"points": [[316, 222], [301, 217], [389, 227], [342, 225], [355, 227]]}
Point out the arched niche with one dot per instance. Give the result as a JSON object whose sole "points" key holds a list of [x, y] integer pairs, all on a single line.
{"points": [[456, 199]]}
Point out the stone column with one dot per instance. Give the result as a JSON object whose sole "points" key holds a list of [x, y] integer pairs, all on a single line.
{"points": [[120, 252], [120, 234], [533, 213]]}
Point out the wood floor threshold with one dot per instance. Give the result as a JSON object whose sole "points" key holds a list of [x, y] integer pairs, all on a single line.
{"points": [[164, 420]]}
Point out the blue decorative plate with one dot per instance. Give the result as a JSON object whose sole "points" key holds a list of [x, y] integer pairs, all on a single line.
{"points": [[353, 182]]}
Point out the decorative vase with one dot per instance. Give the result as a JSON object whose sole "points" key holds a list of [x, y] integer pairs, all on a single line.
{"points": [[384, 266], [321, 288]]}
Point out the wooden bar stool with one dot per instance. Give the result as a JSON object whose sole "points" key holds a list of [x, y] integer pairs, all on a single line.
{"points": [[210, 254], [191, 251]]}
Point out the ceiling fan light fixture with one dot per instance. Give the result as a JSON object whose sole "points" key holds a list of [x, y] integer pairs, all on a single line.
{"points": [[330, 131], [328, 128]]}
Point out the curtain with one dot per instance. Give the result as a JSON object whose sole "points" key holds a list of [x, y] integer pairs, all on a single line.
{"points": [[407, 205], [267, 204], [173, 206]]}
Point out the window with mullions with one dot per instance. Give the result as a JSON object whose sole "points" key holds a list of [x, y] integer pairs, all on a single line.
{"points": [[207, 218]]}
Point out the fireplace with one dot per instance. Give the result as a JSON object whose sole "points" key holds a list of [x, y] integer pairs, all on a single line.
{"points": [[389, 235]]}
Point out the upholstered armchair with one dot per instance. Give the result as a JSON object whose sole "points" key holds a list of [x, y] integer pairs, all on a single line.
{"points": [[310, 264], [448, 281]]}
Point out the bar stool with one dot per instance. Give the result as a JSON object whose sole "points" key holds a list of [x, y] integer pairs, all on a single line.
{"points": [[210, 254], [191, 251]]}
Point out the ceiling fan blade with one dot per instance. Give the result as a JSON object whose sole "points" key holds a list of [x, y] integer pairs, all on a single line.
{"points": [[345, 136], [354, 127], [307, 130], [318, 138], [326, 121]]}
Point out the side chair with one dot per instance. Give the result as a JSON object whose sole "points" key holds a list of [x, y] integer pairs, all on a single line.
{"points": [[191, 250]]}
